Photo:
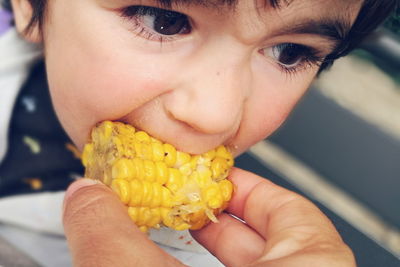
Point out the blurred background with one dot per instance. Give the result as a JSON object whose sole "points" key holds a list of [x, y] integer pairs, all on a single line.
{"points": [[340, 148]]}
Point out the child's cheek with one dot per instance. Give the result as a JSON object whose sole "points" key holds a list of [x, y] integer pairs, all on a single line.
{"points": [[88, 86], [94, 91], [272, 99]]}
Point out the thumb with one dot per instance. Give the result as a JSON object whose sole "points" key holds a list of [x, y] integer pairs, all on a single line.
{"points": [[100, 233]]}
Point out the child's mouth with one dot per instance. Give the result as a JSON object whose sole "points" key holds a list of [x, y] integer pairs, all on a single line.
{"points": [[185, 138]]}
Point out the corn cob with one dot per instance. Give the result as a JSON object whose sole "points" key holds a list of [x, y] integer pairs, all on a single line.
{"points": [[160, 185]]}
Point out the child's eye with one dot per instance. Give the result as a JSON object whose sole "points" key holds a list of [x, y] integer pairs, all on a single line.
{"points": [[291, 57], [156, 23]]}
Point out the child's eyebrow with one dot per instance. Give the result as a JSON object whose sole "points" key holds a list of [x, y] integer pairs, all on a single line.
{"points": [[333, 29], [218, 3]]}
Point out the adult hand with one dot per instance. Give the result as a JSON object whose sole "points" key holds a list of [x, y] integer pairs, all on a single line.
{"points": [[281, 229], [100, 233]]}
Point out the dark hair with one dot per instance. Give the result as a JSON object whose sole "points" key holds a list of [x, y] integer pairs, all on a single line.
{"points": [[371, 15]]}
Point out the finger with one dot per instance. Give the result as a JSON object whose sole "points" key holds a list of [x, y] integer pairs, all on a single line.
{"points": [[244, 184], [231, 241], [286, 220], [267, 207], [100, 233]]}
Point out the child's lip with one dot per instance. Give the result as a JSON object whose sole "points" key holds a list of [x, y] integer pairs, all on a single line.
{"points": [[190, 141]]}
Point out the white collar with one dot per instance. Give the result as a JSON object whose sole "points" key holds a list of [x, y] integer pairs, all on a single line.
{"points": [[17, 56]]}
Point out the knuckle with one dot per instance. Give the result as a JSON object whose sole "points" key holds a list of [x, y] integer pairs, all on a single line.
{"points": [[88, 203]]}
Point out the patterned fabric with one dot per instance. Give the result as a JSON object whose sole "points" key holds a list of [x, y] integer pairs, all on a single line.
{"points": [[40, 156], [5, 21]]}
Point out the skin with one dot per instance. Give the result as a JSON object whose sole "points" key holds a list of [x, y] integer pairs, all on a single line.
{"points": [[99, 68]]}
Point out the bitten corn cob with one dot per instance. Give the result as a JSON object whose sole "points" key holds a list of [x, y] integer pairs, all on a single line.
{"points": [[160, 185]]}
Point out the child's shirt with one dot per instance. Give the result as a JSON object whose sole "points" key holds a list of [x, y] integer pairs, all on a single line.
{"points": [[16, 57], [40, 156]]}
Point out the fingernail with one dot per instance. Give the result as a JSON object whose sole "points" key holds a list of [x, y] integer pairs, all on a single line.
{"points": [[75, 186]]}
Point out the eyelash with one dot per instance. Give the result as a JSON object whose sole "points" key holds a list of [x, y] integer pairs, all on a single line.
{"points": [[134, 13], [310, 57]]}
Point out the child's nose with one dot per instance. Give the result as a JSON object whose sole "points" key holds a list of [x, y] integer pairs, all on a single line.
{"points": [[210, 95]]}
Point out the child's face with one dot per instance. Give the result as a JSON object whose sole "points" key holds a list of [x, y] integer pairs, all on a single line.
{"points": [[215, 76]]}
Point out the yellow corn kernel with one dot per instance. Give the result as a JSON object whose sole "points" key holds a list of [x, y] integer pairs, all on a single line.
{"points": [[144, 216], [143, 150], [154, 140], [158, 151], [160, 185], [182, 226], [138, 168], [144, 229], [210, 154], [175, 180], [219, 167], [166, 198], [155, 218], [124, 129], [147, 193], [181, 158], [142, 137], [212, 196], [133, 213], [194, 161], [223, 152], [157, 196], [123, 169], [122, 187], [170, 155], [205, 175], [108, 128], [149, 170], [186, 169], [162, 172], [167, 218], [136, 193], [87, 150], [226, 188]]}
